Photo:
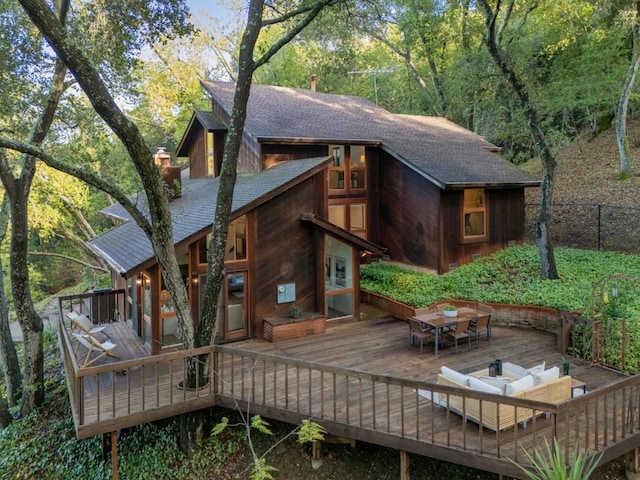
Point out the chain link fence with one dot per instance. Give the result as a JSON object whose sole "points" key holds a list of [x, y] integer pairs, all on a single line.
{"points": [[593, 226]]}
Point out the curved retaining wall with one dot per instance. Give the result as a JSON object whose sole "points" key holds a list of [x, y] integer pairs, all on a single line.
{"points": [[524, 316]]}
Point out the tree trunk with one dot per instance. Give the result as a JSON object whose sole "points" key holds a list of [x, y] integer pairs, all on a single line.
{"points": [[30, 321], [8, 354], [159, 229], [548, 269], [621, 112], [220, 229], [5, 415]]}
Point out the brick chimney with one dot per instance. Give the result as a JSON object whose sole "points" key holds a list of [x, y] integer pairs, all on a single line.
{"points": [[314, 81], [170, 173]]}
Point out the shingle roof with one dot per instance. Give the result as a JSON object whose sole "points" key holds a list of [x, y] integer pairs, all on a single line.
{"points": [[442, 151], [126, 247]]}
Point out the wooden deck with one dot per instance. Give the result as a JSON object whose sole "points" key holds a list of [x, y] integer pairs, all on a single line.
{"points": [[359, 380]]}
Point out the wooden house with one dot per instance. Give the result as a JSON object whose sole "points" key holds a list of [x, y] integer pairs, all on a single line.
{"points": [[274, 257], [324, 181], [430, 192]]}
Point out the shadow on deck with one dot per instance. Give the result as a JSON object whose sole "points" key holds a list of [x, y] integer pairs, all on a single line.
{"points": [[359, 380]]}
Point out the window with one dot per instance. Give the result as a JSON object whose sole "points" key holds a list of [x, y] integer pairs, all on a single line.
{"points": [[210, 155], [357, 162], [358, 219], [338, 215], [474, 217], [236, 248], [348, 172], [350, 215], [237, 240]]}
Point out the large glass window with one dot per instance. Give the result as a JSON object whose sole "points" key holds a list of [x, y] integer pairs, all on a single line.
{"points": [[338, 278], [474, 215], [236, 302], [168, 320]]}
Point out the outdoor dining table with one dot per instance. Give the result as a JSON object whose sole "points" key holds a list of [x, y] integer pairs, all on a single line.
{"points": [[438, 322]]}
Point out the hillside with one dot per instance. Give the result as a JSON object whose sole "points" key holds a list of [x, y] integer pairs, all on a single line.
{"points": [[588, 171]]}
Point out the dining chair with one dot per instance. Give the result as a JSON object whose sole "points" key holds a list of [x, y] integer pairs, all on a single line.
{"points": [[416, 331], [458, 331], [486, 310], [479, 325]]}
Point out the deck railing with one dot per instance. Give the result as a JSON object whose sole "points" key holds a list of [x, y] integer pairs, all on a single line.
{"points": [[122, 394], [366, 405], [101, 306], [377, 408]]}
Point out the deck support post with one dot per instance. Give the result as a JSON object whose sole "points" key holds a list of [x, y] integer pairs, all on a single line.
{"points": [[316, 454], [114, 455], [632, 463], [405, 467]]}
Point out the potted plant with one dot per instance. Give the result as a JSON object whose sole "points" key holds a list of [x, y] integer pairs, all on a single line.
{"points": [[295, 311], [450, 311]]}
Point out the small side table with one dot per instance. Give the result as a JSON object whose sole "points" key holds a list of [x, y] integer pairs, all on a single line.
{"points": [[575, 383]]}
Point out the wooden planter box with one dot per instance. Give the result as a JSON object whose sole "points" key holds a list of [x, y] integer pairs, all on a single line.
{"points": [[278, 329]]}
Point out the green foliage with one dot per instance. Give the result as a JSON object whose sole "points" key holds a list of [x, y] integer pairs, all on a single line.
{"points": [[550, 464], [261, 471], [260, 424], [310, 431], [511, 276]]}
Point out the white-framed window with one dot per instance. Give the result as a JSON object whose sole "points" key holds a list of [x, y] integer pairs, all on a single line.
{"points": [[474, 215]]}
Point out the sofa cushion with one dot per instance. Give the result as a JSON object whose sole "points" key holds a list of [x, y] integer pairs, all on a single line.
{"points": [[454, 375], [546, 376], [537, 369], [518, 385], [498, 382], [513, 370], [481, 386]]}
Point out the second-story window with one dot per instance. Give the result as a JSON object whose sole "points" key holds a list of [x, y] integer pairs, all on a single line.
{"points": [[210, 155], [474, 215], [348, 172]]}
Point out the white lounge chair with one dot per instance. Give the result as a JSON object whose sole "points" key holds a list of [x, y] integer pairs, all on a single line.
{"points": [[82, 323], [94, 345]]}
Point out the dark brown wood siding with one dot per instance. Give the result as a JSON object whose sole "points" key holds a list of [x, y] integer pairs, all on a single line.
{"points": [[505, 211], [285, 252], [407, 214], [249, 156], [198, 155]]}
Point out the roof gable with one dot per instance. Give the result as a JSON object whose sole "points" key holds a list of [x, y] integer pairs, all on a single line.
{"points": [[127, 248], [199, 120]]}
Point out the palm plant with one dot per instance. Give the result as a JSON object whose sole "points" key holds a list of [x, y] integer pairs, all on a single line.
{"points": [[550, 464]]}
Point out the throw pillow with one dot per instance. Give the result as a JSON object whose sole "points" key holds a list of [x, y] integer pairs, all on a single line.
{"points": [[518, 385], [498, 382], [546, 376], [513, 370], [481, 386], [454, 375], [537, 369]]}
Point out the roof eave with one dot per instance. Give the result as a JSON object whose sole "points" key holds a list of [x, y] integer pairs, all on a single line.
{"points": [[342, 233], [310, 140]]}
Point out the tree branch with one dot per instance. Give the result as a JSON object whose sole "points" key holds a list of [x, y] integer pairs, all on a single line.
{"points": [[81, 173]]}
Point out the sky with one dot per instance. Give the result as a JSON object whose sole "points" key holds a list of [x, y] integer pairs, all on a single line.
{"points": [[215, 8]]}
